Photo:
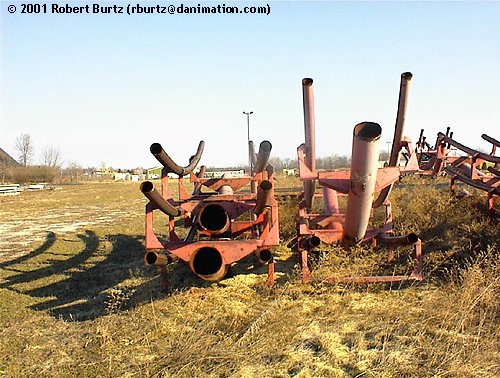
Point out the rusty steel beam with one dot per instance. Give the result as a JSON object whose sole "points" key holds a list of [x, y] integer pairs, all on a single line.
{"points": [[310, 141], [404, 91], [365, 151], [263, 156], [147, 188], [370, 279], [160, 155]]}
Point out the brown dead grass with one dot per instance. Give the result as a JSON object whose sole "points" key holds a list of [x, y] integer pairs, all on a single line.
{"points": [[82, 303]]}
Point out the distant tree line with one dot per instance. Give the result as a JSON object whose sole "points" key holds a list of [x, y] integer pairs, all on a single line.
{"points": [[323, 163], [48, 170]]}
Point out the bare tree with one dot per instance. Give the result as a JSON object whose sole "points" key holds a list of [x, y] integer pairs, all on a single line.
{"points": [[24, 145], [74, 170], [51, 157]]}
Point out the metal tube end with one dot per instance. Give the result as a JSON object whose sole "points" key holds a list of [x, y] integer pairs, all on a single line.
{"points": [[406, 75], [265, 255], [369, 131], [265, 146], [412, 238], [155, 148], [208, 264], [147, 186], [307, 81]]}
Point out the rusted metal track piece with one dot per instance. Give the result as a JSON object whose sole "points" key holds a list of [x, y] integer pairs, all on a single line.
{"points": [[223, 225], [360, 183]]}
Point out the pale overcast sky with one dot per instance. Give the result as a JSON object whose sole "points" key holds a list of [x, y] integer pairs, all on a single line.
{"points": [[103, 87]]}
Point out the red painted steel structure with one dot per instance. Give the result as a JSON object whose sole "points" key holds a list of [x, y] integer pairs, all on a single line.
{"points": [[224, 225], [473, 167], [360, 183]]}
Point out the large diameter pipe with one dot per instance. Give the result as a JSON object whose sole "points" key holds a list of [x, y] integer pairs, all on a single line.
{"points": [[310, 142], [160, 155], [214, 218], [263, 194], [404, 93], [365, 152], [147, 188], [263, 156], [207, 263]]}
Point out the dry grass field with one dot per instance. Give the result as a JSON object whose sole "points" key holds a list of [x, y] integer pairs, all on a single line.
{"points": [[76, 298]]}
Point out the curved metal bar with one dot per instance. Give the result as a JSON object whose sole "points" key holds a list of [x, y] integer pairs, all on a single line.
{"points": [[469, 151], [263, 156], [411, 238], [491, 140], [197, 186], [456, 173], [147, 188], [160, 155], [404, 90]]}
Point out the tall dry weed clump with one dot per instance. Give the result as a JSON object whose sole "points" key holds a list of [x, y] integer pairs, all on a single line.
{"points": [[462, 328]]}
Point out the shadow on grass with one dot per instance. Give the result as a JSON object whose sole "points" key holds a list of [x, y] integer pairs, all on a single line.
{"points": [[50, 239], [84, 291]]}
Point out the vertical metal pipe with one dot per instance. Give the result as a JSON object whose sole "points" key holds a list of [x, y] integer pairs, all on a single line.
{"points": [[310, 143], [404, 92], [365, 152]]}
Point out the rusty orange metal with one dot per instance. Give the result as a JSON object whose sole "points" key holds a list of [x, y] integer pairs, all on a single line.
{"points": [[361, 183], [472, 167], [218, 233]]}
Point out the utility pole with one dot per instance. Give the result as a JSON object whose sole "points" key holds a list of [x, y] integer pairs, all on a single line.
{"points": [[250, 166]]}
